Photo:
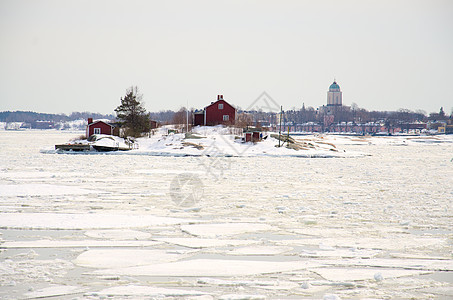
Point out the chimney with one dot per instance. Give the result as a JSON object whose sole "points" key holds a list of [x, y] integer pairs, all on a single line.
{"points": [[219, 97], [90, 120]]}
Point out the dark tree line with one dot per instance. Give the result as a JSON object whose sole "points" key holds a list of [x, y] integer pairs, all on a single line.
{"points": [[30, 116]]}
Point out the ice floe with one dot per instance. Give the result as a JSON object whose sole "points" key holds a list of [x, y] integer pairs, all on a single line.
{"points": [[40, 189], [411, 264], [120, 258], [210, 267], [268, 285], [344, 253], [357, 274], [224, 229], [259, 250], [142, 291], [75, 244], [83, 221], [242, 297], [119, 234], [369, 243], [54, 291], [204, 243]]}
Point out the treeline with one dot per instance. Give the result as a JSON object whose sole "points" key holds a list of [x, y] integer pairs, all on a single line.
{"points": [[351, 113], [303, 115], [356, 114], [30, 116]]}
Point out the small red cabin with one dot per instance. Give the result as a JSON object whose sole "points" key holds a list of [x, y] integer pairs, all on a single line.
{"points": [[219, 112], [99, 127]]}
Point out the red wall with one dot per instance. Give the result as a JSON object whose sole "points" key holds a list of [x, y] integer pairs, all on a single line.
{"points": [[214, 115], [105, 128], [198, 119]]}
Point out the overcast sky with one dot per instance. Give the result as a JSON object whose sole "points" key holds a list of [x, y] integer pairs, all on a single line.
{"points": [[62, 56]]}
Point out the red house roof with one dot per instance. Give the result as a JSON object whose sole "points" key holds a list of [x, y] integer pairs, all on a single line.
{"points": [[219, 112]]}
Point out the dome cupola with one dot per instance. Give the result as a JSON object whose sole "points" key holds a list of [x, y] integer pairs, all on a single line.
{"points": [[334, 87]]}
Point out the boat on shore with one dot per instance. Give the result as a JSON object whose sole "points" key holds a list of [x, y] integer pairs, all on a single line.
{"points": [[101, 148], [99, 143]]}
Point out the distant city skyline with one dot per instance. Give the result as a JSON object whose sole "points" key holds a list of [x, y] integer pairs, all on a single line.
{"points": [[65, 56]]}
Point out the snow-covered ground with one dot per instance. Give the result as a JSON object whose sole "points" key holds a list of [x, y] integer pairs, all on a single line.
{"points": [[220, 141], [259, 225]]}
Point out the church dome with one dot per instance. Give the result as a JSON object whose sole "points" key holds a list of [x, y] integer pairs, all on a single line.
{"points": [[334, 87]]}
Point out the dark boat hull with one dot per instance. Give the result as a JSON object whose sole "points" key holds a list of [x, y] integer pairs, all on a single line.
{"points": [[109, 149]]}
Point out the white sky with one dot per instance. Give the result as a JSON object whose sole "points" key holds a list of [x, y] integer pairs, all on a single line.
{"points": [[62, 56]]}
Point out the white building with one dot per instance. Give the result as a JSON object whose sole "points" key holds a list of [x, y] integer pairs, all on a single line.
{"points": [[334, 95]]}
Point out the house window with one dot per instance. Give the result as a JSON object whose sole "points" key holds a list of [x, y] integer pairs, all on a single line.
{"points": [[221, 106], [97, 130], [226, 117]]}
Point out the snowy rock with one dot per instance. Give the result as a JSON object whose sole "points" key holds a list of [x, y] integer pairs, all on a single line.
{"points": [[378, 277]]}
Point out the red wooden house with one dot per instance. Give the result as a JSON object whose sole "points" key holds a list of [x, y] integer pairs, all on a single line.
{"points": [[99, 127], [217, 113]]}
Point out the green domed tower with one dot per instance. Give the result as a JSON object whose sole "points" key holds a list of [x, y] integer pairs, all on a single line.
{"points": [[334, 95]]}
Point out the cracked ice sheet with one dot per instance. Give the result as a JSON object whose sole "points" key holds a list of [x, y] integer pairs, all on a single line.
{"points": [[35, 189], [76, 244], [210, 267], [367, 243], [83, 221], [137, 290], [53, 291], [220, 229], [356, 274], [197, 243], [118, 234], [121, 258]]}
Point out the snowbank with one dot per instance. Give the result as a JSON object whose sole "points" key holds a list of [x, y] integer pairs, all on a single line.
{"points": [[220, 141]]}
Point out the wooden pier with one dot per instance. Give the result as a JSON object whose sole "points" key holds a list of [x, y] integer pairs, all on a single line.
{"points": [[73, 147]]}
